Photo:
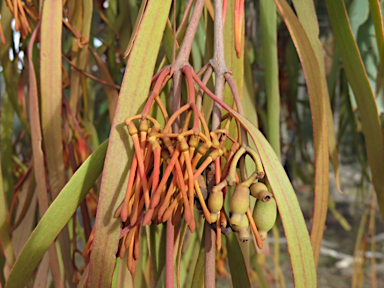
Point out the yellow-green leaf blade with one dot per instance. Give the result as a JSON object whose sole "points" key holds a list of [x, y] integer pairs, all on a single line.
{"points": [[139, 70], [299, 246], [56, 217], [317, 97]]}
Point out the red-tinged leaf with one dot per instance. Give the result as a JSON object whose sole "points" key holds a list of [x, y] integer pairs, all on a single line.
{"points": [[111, 92], [135, 31], [80, 15], [42, 273], [38, 156], [317, 97], [51, 102], [139, 70], [51, 92], [308, 19], [358, 79], [21, 234], [299, 246]]}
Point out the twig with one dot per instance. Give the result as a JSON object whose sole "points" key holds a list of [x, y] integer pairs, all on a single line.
{"points": [[220, 68], [183, 56], [180, 62]]}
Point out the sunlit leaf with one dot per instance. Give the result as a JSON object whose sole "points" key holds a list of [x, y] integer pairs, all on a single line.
{"points": [[139, 70], [308, 47], [56, 217]]}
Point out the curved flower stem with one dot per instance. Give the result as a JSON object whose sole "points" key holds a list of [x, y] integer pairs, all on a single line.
{"points": [[156, 90], [254, 229], [183, 56], [207, 75]]}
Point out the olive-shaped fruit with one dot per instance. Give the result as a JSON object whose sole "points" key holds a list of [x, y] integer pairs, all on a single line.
{"points": [[257, 187], [265, 214], [215, 202], [239, 203], [243, 228], [214, 217], [260, 191]]}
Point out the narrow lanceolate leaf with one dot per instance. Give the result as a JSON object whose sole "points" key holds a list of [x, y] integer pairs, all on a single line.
{"points": [[236, 65], [307, 49], [239, 271], [38, 156], [271, 74], [6, 124], [56, 217], [308, 19], [51, 102], [365, 100], [111, 92], [80, 15], [51, 92], [139, 70], [5, 241], [377, 18], [157, 249], [299, 246]]}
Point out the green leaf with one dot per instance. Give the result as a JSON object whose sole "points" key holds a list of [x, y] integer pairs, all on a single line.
{"points": [[199, 272], [379, 29], [362, 90], [5, 240], [299, 246], [7, 112], [157, 243], [271, 74], [56, 217], [305, 37], [139, 70], [239, 271]]}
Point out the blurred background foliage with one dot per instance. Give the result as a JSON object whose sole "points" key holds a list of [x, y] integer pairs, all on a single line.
{"points": [[353, 247]]}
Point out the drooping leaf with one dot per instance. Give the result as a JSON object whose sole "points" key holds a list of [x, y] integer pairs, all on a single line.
{"points": [[157, 243], [363, 93], [38, 156], [139, 70], [80, 16], [299, 246], [6, 124], [56, 217], [308, 47], [51, 103], [271, 74], [5, 240], [199, 270], [239, 271]]}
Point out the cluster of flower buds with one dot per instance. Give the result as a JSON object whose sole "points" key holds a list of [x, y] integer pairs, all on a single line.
{"points": [[170, 161]]}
